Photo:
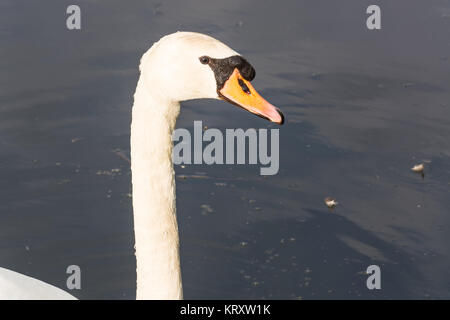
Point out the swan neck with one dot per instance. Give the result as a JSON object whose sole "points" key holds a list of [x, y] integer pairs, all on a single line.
{"points": [[154, 210]]}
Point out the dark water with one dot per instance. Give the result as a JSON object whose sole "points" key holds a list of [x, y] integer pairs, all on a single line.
{"points": [[362, 107]]}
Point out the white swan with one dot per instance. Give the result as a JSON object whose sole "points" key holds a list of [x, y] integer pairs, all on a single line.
{"points": [[181, 66], [16, 286]]}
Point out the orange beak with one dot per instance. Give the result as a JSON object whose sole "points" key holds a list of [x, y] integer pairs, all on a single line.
{"points": [[240, 92]]}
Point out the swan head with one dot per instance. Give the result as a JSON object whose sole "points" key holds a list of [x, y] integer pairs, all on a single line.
{"points": [[187, 65]]}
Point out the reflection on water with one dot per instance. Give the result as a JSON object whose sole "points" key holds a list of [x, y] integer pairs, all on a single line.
{"points": [[362, 108]]}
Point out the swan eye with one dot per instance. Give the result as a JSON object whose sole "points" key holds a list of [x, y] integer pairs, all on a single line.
{"points": [[204, 60]]}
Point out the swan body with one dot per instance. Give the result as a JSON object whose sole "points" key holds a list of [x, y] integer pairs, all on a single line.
{"points": [[181, 66], [16, 286]]}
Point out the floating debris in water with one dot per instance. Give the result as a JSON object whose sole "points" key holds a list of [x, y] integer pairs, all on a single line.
{"points": [[315, 76], [157, 9], [111, 172], [330, 202], [407, 84], [206, 209], [419, 168], [63, 181], [192, 176], [121, 155], [220, 184]]}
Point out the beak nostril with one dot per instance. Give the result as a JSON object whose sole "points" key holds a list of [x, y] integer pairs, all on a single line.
{"points": [[244, 86]]}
